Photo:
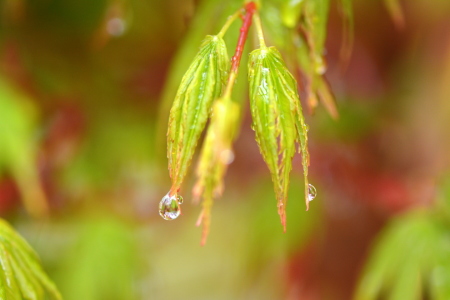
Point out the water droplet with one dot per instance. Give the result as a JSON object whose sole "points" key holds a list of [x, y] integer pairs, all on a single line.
{"points": [[263, 88], [306, 127], [169, 207], [312, 192]]}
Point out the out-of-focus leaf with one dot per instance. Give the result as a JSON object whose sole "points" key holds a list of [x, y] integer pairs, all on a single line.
{"points": [[315, 22], [301, 227], [21, 275], [201, 84], [17, 148], [326, 96], [402, 259], [443, 200], [215, 157], [275, 31], [439, 282], [316, 87], [347, 30], [279, 247], [277, 120], [310, 51], [102, 263], [291, 11]]}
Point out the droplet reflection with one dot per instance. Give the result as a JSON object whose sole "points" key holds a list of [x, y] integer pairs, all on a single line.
{"points": [[312, 192], [169, 207]]}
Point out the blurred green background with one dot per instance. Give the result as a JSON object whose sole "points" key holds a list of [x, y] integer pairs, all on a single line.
{"points": [[85, 88]]}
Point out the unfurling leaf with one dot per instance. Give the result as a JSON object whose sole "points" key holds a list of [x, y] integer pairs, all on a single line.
{"points": [[215, 157], [21, 275], [277, 120], [201, 84]]}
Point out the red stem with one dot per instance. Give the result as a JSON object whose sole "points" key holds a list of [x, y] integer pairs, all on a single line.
{"points": [[250, 9]]}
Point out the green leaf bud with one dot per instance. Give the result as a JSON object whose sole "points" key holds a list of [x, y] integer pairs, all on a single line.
{"points": [[202, 83]]}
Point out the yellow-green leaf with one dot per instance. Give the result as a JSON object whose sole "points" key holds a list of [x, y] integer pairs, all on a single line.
{"points": [[290, 12], [412, 250], [201, 84], [277, 119], [17, 147], [315, 21], [102, 263], [215, 157]]}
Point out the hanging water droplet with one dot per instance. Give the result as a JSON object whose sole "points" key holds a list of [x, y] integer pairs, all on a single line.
{"points": [[312, 192], [169, 207]]}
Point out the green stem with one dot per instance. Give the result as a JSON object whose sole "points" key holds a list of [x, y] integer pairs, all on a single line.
{"points": [[228, 23], [259, 30]]}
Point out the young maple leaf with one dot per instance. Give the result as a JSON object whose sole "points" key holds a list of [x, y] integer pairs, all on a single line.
{"points": [[215, 157], [277, 120], [201, 84]]}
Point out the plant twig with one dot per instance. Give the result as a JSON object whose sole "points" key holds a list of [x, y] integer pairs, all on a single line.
{"points": [[259, 30], [250, 9]]}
